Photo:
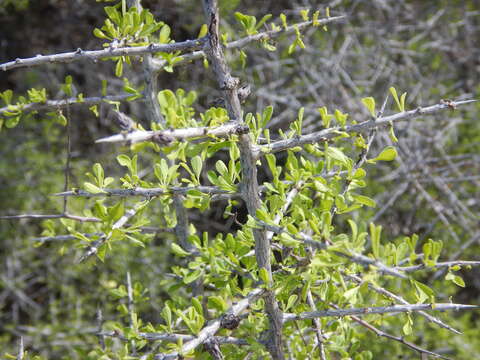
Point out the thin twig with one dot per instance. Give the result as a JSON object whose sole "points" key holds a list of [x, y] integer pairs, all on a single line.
{"points": [[330, 133], [385, 292], [399, 339], [241, 43], [52, 216], [165, 137], [60, 104], [377, 310], [109, 52], [147, 192]]}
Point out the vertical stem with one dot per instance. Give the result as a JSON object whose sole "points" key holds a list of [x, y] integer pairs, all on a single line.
{"points": [[68, 157], [101, 338], [249, 188], [154, 113], [131, 308], [21, 352]]}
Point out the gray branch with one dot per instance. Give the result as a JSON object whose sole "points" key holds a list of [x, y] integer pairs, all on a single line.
{"points": [[60, 104], [165, 137], [401, 300], [94, 55], [52, 216], [250, 193], [438, 265], [215, 325], [146, 192], [330, 133], [241, 43], [377, 310]]}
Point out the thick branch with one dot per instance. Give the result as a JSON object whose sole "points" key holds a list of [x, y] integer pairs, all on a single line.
{"points": [[229, 85]]}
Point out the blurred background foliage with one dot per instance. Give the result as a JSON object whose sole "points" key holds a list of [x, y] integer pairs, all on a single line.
{"points": [[428, 48]]}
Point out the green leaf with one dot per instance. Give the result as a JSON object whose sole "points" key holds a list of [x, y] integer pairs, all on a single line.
{"points": [[6, 96], [326, 118], [391, 133], [283, 18], [221, 168], [12, 122], [364, 200], [351, 294], [263, 273], [124, 160], [102, 251], [164, 34], [375, 232], [177, 250], [92, 188], [191, 277], [407, 327], [387, 154], [423, 292], [98, 172], [341, 118], [119, 68], [369, 103], [402, 100], [203, 31], [456, 279], [287, 240], [197, 164], [100, 34], [116, 212], [337, 154], [167, 315], [262, 21], [218, 303], [291, 301], [267, 115]]}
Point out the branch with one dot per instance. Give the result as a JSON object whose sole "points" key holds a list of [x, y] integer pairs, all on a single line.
{"points": [[400, 339], [21, 352], [376, 310], [165, 137], [147, 192], [249, 186], [330, 133], [438, 265], [36, 106], [93, 249], [53, 216], [209, 330], [147, 230], [240, 43], [95, 55], [357, 258], [401, 300]]}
